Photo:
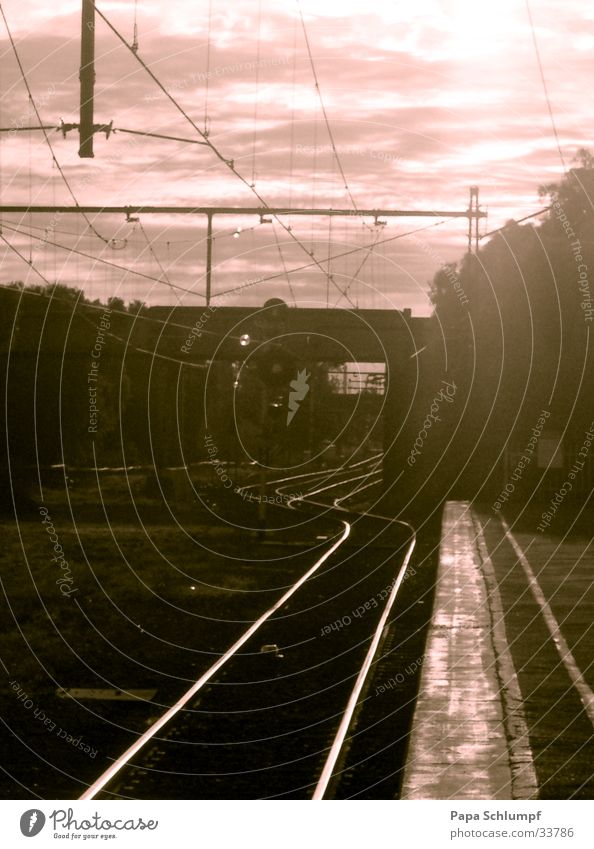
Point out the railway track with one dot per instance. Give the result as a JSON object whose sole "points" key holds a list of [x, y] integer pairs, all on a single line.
{"points": [[273, 716]]}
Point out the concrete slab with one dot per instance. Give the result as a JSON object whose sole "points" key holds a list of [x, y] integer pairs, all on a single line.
{"points": [[459, 747]]}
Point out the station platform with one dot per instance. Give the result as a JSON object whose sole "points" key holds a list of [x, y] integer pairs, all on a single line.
{"points": [[469, 738]]}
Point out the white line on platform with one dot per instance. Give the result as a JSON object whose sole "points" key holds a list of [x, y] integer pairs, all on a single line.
{"points": [[523, 773], [577, 679], [124, 759]]}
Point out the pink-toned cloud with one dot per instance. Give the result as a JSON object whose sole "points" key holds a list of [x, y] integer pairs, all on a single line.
{"points": [[423, 102]]}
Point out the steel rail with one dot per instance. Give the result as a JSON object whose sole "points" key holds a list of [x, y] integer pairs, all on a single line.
{"points": [[125, 758], [339, 740], [347, 717]]}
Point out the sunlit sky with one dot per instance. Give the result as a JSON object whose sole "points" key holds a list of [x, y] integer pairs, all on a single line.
{"points": [[423, 100]]}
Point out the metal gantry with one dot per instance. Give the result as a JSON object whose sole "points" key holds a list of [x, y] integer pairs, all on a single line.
{"points": [[87, 129], [473, 214]]}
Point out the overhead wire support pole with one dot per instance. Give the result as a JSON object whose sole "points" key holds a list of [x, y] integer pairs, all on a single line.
{"points": [[87, 80], [208, 257], [474, 214]]}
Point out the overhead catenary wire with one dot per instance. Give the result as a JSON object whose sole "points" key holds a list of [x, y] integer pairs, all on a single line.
{"points": [[323, 108], [243, 286], [27, 262], [517, 221], [284, 264], [99, 259], [544, 85], [314, 179], [292, 136], [168, 322], [17, 129], [345, 292], [44, 229], [355, 275], [164, 136], [257, 94], [207, 75], [348, 252], [316, 262], [40, 122], [158, 261], [229, 163]]}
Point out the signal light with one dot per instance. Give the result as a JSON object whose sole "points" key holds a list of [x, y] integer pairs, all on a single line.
{"points": [[276, 366]]}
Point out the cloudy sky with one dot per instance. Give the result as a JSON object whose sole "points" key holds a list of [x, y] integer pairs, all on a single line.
{"points": [[423, 99]]}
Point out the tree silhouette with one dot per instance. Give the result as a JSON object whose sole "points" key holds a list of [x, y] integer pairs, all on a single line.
{"points": [[511, 327]]}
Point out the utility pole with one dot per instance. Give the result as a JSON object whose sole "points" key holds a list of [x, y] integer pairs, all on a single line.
{"points": [[209, 215], [87, 80], [474, 214]]}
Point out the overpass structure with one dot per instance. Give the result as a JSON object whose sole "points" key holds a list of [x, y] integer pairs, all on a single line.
{"points": [[194, 334], [182, 341], [159, 375]]}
